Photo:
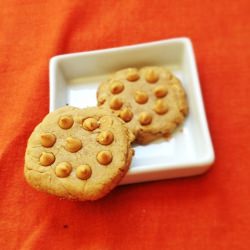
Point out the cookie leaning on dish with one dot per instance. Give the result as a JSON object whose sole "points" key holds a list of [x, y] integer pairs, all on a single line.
{"points": [[78, 153], [151, 101]]}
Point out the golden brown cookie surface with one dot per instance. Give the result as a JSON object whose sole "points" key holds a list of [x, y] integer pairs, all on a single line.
{"points": [[78, 153], [151, 101]]}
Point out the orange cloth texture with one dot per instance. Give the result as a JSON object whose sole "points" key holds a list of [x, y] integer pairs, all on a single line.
{"points": [[211, 211]]}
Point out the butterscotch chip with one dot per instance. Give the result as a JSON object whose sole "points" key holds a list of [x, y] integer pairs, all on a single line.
{"points": [[65, 122], [73, 144], [145, 118], [141, 97], [178, 120], [132, 75], [168, 75], [152, 84], [116, 103], [90, 124], [160, 91], [116, 87], [105, 138], [63, 169], [83, 172], [126, 114], [102, 159], [184, 110], [160, 107], [47, 140], [46, 159], [101, 99], [151, 76]]}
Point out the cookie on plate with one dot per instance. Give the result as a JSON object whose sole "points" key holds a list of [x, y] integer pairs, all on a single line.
{"points": [[151, 101], [78, 153]]}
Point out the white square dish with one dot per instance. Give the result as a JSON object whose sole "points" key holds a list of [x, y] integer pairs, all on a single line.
{"points": [[74, 79]]}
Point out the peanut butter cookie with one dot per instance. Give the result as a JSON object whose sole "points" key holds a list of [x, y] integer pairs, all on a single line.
{"points": [[151, 101], [78, 153]]}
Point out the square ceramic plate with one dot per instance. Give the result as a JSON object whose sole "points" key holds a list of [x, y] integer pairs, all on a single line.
{"points": [[74, 79]]}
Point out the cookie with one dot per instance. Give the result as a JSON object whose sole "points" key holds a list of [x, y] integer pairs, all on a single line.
{"points": [[78, 153], [151, 101]]}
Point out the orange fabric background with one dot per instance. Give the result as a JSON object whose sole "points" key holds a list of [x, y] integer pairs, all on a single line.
{"points": [[206, 212]]}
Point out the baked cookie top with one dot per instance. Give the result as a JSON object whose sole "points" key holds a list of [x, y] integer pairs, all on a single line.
{"points": [[151, 101], [78, 153]]}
